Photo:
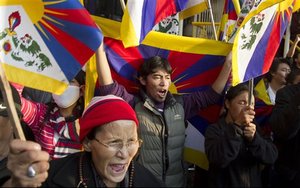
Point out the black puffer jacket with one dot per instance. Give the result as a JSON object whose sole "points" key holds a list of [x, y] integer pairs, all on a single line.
{"points": [[285, 122], [233, 161]]}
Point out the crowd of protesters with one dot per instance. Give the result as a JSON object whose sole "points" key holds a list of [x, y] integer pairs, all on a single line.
{"points": [[126, 140]]}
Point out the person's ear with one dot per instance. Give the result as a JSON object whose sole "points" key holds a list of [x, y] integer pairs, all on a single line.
{"points": [[142, 81], [87, 145], [272, 74], [82, 90], [226, 104]]}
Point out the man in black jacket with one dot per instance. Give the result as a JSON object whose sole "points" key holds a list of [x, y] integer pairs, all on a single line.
{"points": [[285, 122]]}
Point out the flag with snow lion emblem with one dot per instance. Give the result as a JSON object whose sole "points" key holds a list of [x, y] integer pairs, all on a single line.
{"points": [[45, 43]]}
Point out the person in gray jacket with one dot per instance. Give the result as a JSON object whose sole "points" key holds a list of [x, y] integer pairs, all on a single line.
{"points": [[161, 114]]}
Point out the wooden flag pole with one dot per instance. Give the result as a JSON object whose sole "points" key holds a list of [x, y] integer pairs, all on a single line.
{"points": [[123, 5], [250, 91], [8, 99], [212, 19]]}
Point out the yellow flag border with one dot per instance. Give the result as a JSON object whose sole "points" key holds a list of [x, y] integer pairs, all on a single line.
{"points": [[235, 69], [48, 84]]}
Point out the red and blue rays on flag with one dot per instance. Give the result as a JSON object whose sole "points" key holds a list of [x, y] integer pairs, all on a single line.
{"points": [[263, 107], [46, 40], [229, 19], [263, 112], [65, 37], [257, 41], [191, 72], [270, 42], [141, 15]]}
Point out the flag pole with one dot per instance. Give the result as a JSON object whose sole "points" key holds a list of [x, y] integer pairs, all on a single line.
{"points": [[8, 100], [123, 5], [212, 19], [287, 38], [250, 91]]}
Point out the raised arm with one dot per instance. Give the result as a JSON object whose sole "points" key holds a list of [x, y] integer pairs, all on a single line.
{"points": [[221, 80], [106, 82], [292, 49], [104, 74]]}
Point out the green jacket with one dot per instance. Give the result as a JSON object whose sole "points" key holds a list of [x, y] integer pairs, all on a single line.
{"points": [[163, 135]]}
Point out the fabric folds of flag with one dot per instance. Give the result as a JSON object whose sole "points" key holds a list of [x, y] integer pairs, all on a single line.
{"points": [[141, 15], [193, 7], [44, 44], [258, 39], [229, 18], [263, 108], [296, 6]]}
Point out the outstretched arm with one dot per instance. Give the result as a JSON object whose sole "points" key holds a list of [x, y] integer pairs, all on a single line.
{"points": [[104, 74], [291, 51], [106, 82], [221, 80]]}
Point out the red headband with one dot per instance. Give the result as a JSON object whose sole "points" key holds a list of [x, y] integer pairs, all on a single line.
{"points": [[102, 110]]}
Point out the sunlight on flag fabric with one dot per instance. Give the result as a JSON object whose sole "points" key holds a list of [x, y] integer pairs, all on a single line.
{"points": [[296, 6], [229, 18], [141, 15], [192, 8], [44, 44], [258, 39]]}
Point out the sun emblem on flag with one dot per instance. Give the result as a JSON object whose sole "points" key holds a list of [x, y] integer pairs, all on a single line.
{"points": [[6, 47], [24, 49]]}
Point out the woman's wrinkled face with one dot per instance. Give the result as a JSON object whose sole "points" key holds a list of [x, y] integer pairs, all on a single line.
{"points": [[113, 148]]}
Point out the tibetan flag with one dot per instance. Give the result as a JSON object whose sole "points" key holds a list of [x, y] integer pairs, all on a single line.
{"points": [[258, 39], [45, 43], [229, 18], [296, 6], [249, 8], [263, 108], [193, 7], [140, 16]]}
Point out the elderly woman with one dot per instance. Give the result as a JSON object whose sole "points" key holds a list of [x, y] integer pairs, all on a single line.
{"points": [[235, 150], [108, 130]]}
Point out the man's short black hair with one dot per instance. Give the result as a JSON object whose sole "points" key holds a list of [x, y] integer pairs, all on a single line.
{"points": [[152, 64]]}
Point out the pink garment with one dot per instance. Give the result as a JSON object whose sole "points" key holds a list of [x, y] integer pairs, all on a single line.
{"points": [[56, 136]]}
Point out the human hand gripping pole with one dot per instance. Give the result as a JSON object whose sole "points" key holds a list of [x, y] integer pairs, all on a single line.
{"points": [[28, 164], [250, 128]]}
